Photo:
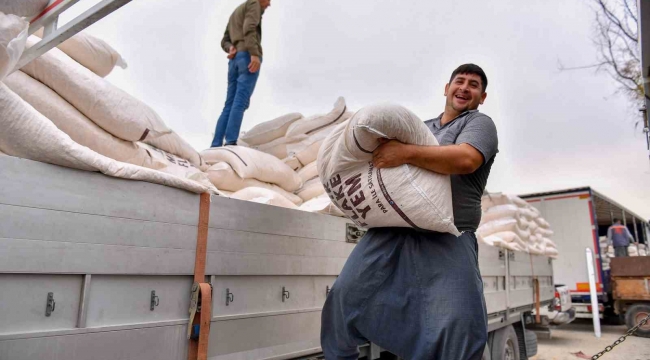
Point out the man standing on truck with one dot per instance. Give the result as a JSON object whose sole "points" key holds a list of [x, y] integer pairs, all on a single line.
{"points": [[619, 236], [242, 41], [415, 293]]}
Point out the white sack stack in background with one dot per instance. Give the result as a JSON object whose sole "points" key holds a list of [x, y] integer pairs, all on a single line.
{"points": [[510, 222]]}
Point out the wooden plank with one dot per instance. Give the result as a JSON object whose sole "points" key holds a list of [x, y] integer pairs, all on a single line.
{"points": [[630, 266], [241, 215], [631, 288], [32, 184], [35, 256]]}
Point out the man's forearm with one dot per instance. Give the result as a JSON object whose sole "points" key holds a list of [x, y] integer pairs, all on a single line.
{"points": [[448, 160]]}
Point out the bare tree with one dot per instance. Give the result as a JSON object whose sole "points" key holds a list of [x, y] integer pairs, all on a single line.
{"points": [[617, 41]]}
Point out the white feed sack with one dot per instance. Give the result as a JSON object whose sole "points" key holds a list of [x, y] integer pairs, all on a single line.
{"points": [[309, 172], [173, 143], [252, 164], [404, 196], [318, 122], [26, 8], [93, 53], [69, 120], [509, 214], [311, 189], [263, 196], [171, 164], [109, 107], [225, 178], [322, 205], [269, 130], [306, 151], [278, 147], [13, 34], [292, 162], [28, 134], [502, 225]]}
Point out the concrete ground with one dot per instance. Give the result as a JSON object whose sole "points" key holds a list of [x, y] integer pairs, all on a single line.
{"points": [[579, 336]]}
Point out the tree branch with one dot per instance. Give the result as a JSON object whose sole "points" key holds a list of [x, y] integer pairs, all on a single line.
{"points": [[632, 14], [614, 20]]}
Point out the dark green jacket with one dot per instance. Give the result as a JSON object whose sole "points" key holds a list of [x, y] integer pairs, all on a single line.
{"points": [[244, 30]]}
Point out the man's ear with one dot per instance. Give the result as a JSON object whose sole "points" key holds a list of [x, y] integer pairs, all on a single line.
{"points": [[483, 96], [446, 89]]}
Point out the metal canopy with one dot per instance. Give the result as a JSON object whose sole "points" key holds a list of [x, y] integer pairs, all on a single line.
{"points": [[605, 208], [53, 35]]}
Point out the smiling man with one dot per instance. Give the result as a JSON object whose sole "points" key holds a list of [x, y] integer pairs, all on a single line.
{"points": [[419, 294]]}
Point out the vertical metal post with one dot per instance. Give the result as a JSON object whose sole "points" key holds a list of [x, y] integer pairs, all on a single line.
{"points": [[592, 291], [624, 219], [83, 303], [644, 45], [636, 231]]}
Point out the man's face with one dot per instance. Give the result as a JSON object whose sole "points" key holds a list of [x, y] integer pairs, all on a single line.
{"points": [[465, 92], [265, 3]]}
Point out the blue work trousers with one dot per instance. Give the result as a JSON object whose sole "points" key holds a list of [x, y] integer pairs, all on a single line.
{"points": [[417, 294], [241, 84]]}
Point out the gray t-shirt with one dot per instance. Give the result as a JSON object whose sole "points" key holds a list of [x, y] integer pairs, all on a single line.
{"points": [[479, 131]]}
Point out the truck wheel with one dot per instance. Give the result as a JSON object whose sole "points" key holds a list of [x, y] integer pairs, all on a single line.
{"points": [[634, 315], [505, 345], [531, 343]]}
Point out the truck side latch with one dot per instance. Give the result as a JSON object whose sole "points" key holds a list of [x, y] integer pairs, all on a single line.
{"points": [[353, 234]]}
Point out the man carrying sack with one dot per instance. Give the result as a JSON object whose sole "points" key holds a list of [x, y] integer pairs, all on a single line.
{"points": [[415, 293]]}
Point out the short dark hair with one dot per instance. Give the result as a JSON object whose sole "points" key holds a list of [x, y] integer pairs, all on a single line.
{"points": [[616, 220], [471, 69]]}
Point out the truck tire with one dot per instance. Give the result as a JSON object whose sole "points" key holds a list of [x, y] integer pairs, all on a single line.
{"points": [[531, 343], [505, 345], [634, 315]]}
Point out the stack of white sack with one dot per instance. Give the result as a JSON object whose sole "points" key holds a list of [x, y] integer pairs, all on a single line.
{"points": [[294, 138], [643, 249], [117, 118], [403, 196], [93, 53], [633, 250], [236, 168], [296, 141], [606, 252], [511, 223]]}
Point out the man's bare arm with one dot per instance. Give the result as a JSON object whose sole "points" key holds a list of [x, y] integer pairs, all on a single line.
{"points": [[448, 160]]}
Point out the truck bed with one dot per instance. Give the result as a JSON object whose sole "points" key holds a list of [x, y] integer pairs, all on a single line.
{"points": [[101, 245]]}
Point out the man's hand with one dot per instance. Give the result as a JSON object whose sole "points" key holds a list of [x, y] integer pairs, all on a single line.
{"points": [[390, 153], [254, 66], [232, 52]]}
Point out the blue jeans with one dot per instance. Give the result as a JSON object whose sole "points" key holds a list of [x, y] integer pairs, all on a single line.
{"points": [[418, 295], [241, 84]]}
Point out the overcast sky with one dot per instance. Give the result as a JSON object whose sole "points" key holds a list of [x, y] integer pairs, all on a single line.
{"points": [[557, 130]]}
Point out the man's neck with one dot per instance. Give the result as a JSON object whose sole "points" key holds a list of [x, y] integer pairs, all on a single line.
{"points": [[449, 115]]}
